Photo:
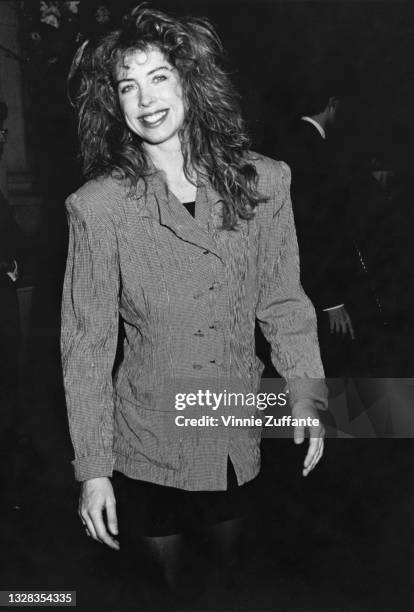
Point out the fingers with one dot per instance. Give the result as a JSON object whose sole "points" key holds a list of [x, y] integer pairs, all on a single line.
{"points": [[314, 458], [340, 321], [312, 451], [348, 323], [102, 532], [93, 521], [298, 434], [302, 409], [315, 452], [111, 517], [335, 320], [89, 527]]}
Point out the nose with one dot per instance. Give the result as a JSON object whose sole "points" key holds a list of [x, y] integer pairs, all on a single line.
{"points": [[146, 97]]}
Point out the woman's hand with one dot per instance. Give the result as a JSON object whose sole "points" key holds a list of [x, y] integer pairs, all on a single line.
{"points": [[96, 496], [303, 410]]}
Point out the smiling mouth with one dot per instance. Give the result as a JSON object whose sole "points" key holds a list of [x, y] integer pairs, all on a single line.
{"points": [[153, 119]]}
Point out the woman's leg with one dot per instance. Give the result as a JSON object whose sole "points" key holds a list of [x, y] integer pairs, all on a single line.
{"points": [[225, 541], [152, 565], [181, 563], [167, 552]]}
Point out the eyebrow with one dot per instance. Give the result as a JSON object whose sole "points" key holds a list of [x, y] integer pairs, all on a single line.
{"points": [[148, 74]]}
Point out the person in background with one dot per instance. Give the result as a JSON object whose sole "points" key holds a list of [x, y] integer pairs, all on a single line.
{"points": [[332, 272]]}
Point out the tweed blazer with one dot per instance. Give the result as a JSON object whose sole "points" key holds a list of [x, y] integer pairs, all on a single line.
{"points": [[187, 293]]}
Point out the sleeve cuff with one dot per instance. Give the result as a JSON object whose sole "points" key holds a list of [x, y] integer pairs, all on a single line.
{"points": [[95, 466], [312, 390], [333, 308]]}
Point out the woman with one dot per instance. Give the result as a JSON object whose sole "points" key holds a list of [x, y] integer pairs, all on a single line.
{"points": [[185, 237]]}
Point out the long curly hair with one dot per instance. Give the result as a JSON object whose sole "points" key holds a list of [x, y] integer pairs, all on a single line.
{"points": [[213, 136]]}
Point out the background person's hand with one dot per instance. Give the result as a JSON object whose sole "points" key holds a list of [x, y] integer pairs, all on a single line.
{"points": [[303, 410], [340, 321], [96, 499]]}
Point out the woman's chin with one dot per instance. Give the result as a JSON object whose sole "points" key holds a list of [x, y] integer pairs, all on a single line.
{"points": [[161, 139]]}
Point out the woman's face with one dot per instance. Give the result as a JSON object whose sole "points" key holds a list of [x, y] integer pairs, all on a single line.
{"points": [[151, 97]]}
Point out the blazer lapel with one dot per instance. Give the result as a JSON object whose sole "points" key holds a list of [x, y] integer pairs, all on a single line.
{"points": [[154, 200], [173, 214]]}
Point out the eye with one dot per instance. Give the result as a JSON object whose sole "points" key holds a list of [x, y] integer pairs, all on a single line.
{"points": [[158, 78], [124, 89]]}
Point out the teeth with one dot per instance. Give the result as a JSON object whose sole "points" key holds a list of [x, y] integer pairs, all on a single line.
{"points": [[154, 117]]}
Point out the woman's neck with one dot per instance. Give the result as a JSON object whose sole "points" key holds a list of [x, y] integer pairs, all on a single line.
{"points": [[168, 157]]}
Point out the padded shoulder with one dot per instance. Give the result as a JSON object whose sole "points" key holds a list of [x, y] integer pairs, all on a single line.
{"points": [[97, 197], [274, 182]]}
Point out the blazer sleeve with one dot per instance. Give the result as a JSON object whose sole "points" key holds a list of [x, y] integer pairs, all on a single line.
{"points": [[284, 312], [89, 337]]}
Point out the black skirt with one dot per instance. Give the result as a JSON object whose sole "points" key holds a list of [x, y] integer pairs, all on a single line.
{"points": [[152, 510]]}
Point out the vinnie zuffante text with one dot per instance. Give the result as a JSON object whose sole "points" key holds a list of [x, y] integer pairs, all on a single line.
{"points": [[226, 400]]}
